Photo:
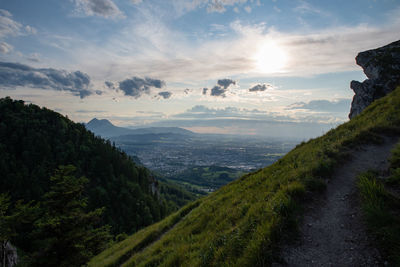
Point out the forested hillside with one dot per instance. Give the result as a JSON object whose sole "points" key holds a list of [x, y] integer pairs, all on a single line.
{"points": [[34, 141]]}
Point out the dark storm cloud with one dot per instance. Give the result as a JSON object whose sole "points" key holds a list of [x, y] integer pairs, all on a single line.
{"points": [[165, 95], [104, 8], [225, 83], [15, 74], [221, 88], [340, 105], [259, 87], [109, 84], [218, 91], [136, 86]]}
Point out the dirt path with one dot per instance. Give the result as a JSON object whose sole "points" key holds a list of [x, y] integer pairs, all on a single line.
{"points": [[332, 232]]}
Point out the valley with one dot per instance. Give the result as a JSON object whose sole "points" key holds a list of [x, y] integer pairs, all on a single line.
{"points": [[221, 158], [199, 162]]}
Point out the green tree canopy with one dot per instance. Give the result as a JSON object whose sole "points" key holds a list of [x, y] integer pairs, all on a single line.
{"points": [[65, 233]]}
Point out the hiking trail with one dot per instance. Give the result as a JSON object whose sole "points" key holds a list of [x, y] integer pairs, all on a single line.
{"points": [[332, 231]]}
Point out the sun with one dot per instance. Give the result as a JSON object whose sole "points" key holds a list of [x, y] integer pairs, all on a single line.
{"points": [[269, 58]]}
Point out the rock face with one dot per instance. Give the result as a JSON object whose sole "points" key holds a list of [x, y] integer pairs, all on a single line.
{"points": [[11, 257], [382, 67]]}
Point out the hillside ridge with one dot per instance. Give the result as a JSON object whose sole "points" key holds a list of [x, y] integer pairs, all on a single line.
{"points": [[244, 222], [106, 129], [333, 232]]}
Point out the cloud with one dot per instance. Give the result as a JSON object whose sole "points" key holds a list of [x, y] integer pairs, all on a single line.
{"points": [[30, 29], [203, 112], [149, 47], [34, 57], [218, 91], [84, 111], [10, 27], [5, 48], [225, 83], [338, 105], [109, 84], [13, 75], [263, 128], [216, 6], [221, 88], [136, 2], [103, 8], [136, 86], [219, 5], [165, 94], [304, 7], [260, 87], [291, 114]]}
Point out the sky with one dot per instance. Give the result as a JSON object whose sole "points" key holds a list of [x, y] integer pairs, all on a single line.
{"points": [[252, 67]]}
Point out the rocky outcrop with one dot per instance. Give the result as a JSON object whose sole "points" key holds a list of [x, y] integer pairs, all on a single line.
{"points": [[153, 186], [382, 67], [9, 257]]}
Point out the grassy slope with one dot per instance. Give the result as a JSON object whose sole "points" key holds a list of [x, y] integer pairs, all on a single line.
{"points": [[382, 208], [242, 223]]}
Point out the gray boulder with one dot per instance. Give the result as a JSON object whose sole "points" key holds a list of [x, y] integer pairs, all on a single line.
{"points": [[382, 67]]}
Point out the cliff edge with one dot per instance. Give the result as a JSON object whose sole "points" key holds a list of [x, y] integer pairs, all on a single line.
{"points": [[382, 67]]}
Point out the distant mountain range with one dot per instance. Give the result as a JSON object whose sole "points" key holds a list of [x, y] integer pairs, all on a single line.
{"points": [[106, 129]]}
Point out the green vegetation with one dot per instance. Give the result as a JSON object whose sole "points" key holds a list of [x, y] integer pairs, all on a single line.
{"points": [[175, 196], [72, 222], [12, 219], [64, 234], [381, 206], [243, 222], [34, 141], [120, 252], [56, 231], [206, 177]]}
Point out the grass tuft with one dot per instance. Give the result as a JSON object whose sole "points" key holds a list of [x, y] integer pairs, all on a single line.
{"points": [[382, 209]]}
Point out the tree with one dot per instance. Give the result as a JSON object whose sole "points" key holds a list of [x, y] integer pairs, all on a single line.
{"points": [[11, 220], [65, 233]]}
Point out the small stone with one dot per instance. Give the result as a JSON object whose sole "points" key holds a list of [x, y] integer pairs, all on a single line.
{"points": [[309, 224], [342, 226]]}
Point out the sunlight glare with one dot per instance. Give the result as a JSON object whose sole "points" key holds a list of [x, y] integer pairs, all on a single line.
{"points": [[270, 58]]}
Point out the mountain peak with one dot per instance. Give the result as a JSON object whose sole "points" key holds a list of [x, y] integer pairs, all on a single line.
{"points": [[99, 123]]}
